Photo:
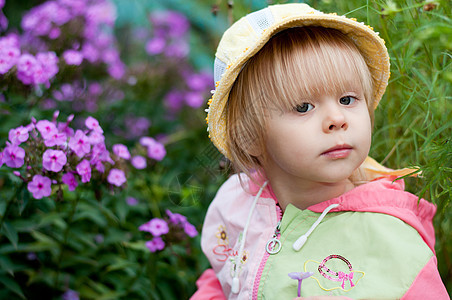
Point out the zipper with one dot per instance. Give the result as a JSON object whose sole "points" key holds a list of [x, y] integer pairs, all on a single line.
{"points": [[276, 236], [274, 245]]}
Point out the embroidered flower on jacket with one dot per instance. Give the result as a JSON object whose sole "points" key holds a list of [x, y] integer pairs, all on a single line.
{"points": [[244, 258], [222, 236]]}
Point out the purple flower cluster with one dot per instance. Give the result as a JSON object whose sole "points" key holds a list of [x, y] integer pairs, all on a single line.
{"points": [[192, 93], [57, 154], [31, 69], [84, 97], [169, 38], [155, 150], [89, 21], [170, 228]]}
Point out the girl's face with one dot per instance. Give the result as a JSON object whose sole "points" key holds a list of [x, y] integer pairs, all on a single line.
{"points": [[323, 139]]}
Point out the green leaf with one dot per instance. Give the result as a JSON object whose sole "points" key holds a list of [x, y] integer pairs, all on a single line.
{"points": [[122, 209], [10, 233], [53, 218], [140, 245], [11, 285], [43, 243], [7, 265], [92, 215], [120, 264]]}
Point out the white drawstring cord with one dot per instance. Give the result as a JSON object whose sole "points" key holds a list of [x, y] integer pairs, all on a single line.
{"points": [[235, 280], [302, 239]]}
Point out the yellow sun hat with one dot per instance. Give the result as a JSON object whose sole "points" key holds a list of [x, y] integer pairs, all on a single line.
{"points": [[249, 34]]}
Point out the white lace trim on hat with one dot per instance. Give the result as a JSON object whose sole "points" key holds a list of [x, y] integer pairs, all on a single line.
{"points": [[219, 68], [260, 20]]}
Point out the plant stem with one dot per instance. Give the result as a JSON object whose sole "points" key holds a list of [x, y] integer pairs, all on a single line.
{"points": [[66, 234], [230, 12]]}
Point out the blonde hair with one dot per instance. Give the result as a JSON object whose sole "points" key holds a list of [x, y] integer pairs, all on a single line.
{"points": [[295, 62]]}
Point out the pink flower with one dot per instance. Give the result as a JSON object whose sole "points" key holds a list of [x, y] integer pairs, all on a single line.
{"points": [[155, 244], [70, 180], [71, 295], [54, 160], [93, 124], [156, 151], [13, 156], [73, 57], [40, 186], [176, 218], [95, 89], [121, 151], [117, 69], [67, 92], [147, 141], [37, 70], [96, 137], [54, 33], [199, 82], [9, 54], [190, 230], [101, 153], [49, 64], [57, 139], [77, 7], [139, 162], [18, 135], [46, 128], [155, 45], [64, 128], [27, 65], [156, 227], [101, 13], [90, 52], [194, 99], [1, 159], [131, 201], [79, 143], [116, 177], [178, 51], [174, 100], [84, 170], [110, 56], [99, 166]]}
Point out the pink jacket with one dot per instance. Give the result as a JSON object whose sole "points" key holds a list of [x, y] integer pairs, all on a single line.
{"points": [[228, 213]]}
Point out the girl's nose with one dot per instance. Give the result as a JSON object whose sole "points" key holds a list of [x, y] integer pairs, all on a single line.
{"points": [[334, 120]]}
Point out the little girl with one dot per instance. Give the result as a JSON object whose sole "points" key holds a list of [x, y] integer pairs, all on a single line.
{"points": [[309, 214]]}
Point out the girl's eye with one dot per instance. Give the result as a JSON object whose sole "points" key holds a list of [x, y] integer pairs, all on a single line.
{"points": [[305, 107], [347, 100]]}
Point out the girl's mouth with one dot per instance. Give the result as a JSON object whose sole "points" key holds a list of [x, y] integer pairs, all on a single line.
{"points": [[338, 151]]}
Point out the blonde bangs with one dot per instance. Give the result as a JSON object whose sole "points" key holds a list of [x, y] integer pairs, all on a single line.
{"points": [[310, 61]]}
